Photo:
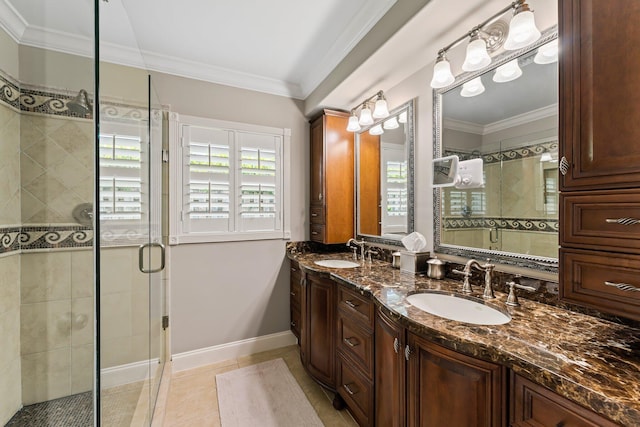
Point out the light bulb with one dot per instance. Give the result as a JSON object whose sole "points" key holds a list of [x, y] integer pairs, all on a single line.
{"points": [[442, 75], [402, 118], [547, 54], [376, 130], [353, 125], [507, 72], [392, 123], [472, 88], [380, 111], [477, 56], [365, 116], [522, 29]]}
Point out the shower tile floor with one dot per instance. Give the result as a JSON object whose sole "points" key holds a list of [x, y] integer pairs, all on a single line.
{"points": [[76, 411]]}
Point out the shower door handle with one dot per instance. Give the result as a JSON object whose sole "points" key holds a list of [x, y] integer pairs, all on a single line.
{"points": [[141, 257]]}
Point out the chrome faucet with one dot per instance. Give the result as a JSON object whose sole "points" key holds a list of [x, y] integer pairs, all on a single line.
{"points": [[360, 245], [488, 277]]}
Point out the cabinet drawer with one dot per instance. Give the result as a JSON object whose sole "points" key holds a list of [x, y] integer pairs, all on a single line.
{"points": [[608, 220], [317, 215], [605, 281], [534, 405], [356, 342], [296, 320], [356, 306], [317, 232], [356, 391], [295, 291]]}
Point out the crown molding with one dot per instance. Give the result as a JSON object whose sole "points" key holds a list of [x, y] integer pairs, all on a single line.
{"points": [[11, 21], [520, 119]]}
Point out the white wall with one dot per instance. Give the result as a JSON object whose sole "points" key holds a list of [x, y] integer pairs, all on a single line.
{"points": [[226, 292]]}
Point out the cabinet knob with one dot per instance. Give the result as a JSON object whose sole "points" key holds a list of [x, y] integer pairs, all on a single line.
{"points": [[396, 345], [320, 197], [564, 165], [293, 294], [293, 324]]}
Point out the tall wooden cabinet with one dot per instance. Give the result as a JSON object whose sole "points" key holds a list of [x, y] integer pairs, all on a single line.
{"points": [[332, 178], [600, 155]]}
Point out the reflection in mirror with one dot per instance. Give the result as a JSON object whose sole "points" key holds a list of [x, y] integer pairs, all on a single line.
{"points": [[513, 127], [444, 171], [384, 177]]}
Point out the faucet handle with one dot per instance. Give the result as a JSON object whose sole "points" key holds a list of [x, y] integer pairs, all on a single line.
{"points": [[512, 299], [466, 286]]}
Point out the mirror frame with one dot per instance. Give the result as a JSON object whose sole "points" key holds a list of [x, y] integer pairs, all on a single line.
{"points": [[509, 258], [411, 120]]}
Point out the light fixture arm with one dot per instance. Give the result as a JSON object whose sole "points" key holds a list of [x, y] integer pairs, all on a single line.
{"points": [[518, 4], [377, 95]]}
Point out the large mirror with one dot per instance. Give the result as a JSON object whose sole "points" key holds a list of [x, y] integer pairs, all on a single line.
{"points": [[384, 177], [513, 127]]}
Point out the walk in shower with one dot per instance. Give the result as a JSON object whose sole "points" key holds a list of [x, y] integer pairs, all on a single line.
{"points": [[81, 255]]}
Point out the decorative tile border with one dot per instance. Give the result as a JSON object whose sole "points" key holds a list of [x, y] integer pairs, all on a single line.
{"points": [[44, 237], [514, 224], [9, 92], [512, 154]]}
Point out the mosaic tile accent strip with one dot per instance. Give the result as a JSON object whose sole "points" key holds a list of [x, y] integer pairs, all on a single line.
{"points": [[513, 154], [44, 237], [516, 224], [70, 411], [9, 91]]}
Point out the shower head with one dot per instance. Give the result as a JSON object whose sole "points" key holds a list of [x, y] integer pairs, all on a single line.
{"points": [[80, 105]]}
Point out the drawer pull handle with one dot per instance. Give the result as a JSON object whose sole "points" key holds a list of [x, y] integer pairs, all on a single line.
{"points": [[623, 221], [351, 303], [564, 165], [350, 342], [396, 345], [314, 214], [349, 389], [293, 270], [623, 286], [293, 294], [293, 324], [314, 233], [407, 352]]}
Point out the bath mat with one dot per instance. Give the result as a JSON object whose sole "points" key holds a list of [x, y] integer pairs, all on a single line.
{"points": [[263, 395]]}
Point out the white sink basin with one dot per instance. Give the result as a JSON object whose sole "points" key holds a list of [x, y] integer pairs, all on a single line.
{"points": [[337, 263], [459, 309]]}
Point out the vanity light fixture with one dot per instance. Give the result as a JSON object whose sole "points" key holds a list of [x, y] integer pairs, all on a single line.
{"points": [[507, 72], [402, 118], [376, 130], [487, 38], [547, 53], [471, 88], [392, 123], [366, 117]]}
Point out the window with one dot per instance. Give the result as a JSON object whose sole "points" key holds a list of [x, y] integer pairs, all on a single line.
{"points": [[230, 182], [128, 190]]}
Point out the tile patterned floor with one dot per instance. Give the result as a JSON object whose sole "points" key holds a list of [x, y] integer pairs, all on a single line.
{"points": [[192, 396], [76, 411]]}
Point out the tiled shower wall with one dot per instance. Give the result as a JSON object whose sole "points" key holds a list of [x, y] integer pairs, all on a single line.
{"points": [[10, 382]]}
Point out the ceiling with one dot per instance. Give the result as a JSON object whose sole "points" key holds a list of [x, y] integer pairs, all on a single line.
{"points": [[284, 47]]}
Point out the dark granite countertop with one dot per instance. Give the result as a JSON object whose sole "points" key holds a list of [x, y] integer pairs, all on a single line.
{"points": [[593, 362]]}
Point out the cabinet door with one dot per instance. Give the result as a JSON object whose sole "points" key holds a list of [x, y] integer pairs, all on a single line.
{"points": [[446, 388], [389, 372], [320, 329], [533, 405], [599, 84], [317, 161]]}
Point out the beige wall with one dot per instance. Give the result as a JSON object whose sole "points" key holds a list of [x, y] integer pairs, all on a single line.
{"points": [[9, 58]]}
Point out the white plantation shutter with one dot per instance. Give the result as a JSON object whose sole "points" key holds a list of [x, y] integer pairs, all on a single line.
{"points": [[231, 181]]}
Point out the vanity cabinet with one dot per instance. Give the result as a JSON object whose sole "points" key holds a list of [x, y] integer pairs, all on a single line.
{"points": [[420, 383], [318, 332], [354, 343], [332, 178], [599, 134], [534, 405]]}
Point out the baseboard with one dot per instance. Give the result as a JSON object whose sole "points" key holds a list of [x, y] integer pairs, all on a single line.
{"points": [[126, 374], [206, 356]]}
